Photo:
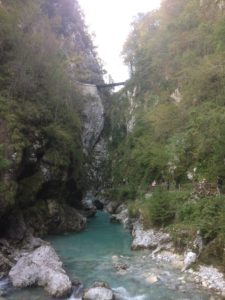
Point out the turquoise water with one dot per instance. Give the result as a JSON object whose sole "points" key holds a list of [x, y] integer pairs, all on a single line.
{"points": [[91, 256]]}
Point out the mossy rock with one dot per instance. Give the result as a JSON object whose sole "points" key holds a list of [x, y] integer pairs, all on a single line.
{"points": [[29, 188]]}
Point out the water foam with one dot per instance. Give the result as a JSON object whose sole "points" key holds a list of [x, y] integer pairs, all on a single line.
{"points": [[124, 295]]}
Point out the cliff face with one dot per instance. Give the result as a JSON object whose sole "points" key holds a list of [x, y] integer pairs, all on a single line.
{"points": [[93, 116], [46, 121], [94, 142]]}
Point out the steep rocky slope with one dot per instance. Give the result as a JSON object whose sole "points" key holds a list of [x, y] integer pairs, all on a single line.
{"points": [[49, 125]]}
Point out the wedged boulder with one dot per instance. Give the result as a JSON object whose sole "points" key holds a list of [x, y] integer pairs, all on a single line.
{"points": [[99, 291], [148, 239], [42, 268]]}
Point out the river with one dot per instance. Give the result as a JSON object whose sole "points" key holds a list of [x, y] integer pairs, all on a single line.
{"points": [[93, 255]]}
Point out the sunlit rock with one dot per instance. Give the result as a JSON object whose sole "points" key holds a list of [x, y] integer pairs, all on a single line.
{"points": [[42, 268], [189, 258], [147, 239]]}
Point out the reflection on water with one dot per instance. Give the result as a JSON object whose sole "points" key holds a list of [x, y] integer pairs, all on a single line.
{"points": [[93, 255]]}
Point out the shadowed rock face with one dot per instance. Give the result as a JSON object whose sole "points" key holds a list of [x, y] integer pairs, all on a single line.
{"points": [[42, 268]]}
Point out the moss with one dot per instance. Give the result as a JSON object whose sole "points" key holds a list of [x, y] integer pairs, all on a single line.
{"points": [[28, 189]]}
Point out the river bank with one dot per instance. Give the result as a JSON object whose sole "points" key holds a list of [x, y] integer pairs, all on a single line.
{"points": [[102, 253], [162, 249]]}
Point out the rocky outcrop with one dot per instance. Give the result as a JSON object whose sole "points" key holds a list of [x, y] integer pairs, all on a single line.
{"points": [[99, 291], [148, 239], [209, 277], [121, 216], [42, 268], [63, 218], [46, 217]]}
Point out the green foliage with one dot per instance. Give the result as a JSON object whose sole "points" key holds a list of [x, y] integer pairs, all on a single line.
{"points": [[4, 162], [207, 214], [177, 48], [123, 193], [161, 207], [40, 104]]}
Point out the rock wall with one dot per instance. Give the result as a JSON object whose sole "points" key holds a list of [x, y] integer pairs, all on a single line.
{"points": [[93, 116], [94, 144]]}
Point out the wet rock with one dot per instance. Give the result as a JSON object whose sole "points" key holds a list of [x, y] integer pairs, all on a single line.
{"points": [[169, 256], [99, 291], [121, 216], [151, 279], [78, 289], [189, 258], [147, 239], [121, 267], [4, 283], [42, 268]]}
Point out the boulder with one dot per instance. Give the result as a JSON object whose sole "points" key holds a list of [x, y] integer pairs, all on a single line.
{"points": [[189, 258], [41, 267], [148, 239], [99, 291], [64, 218]]}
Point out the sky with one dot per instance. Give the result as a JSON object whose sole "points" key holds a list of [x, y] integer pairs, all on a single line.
{"points": [[110, 21]]}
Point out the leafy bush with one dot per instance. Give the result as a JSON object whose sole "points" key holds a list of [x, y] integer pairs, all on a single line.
{"points": [[161, 208], [206, 214], [123, 193]]}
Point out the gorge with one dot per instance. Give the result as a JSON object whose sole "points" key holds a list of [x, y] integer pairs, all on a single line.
{"points": [[151, 155]]}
